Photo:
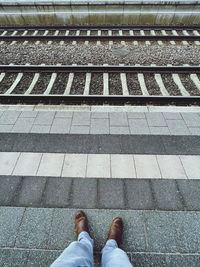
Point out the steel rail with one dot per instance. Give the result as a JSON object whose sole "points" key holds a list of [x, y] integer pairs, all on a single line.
{"points": [[101, 37], [99, 99], [98, 69], [102, 27]]}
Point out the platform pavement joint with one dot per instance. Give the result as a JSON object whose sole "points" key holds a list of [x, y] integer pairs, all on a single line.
{"points": [[155, 123]]}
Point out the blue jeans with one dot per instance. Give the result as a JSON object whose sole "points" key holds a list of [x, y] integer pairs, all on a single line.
{"points": [[80, 254]]}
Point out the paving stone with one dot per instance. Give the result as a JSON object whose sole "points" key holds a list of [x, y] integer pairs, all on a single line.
{"points": [[44, 118], [62, 231], [57, 192], [64, 114], [146, 166], [189, 190], [42, 258], [118, 119], [99, 115], [194, 130], [171, 167], [111, 194], [161, 232], [159, 130], [51, 165], [155, 119], [28, 114], [122, 166], [84, 193], [119, 130], [109, 144], [166, 194], [23, 125], [138, 126], [177, 127], [40, 129], [8, 189], [98, 166], [61, 125], [13, 257], [145, 144], [89, 144], [188, 231], [172, 115], [148, 260], [99, 126], [74, 165], [138, 194], [136, 115], [8, 231], [181, 145], [9, 117], [80, 129], [27, 164], [182, 260], [4, 128], [7, 162], [81, 118], [35, 228], [191, 119], [31, 191], [191, 165]]}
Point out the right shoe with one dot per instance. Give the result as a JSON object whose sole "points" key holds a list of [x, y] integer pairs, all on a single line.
{"points": [[116, 230]]}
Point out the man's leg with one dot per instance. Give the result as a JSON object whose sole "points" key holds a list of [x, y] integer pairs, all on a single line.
{"points": [[78, 253], [112, 255]]}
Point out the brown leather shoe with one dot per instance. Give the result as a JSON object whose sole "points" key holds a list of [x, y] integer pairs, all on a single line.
{"points": [[116, 230], [81, 222]]}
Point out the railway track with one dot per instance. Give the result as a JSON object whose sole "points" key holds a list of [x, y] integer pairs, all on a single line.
{"points": [[100, 84], [111, 33]]}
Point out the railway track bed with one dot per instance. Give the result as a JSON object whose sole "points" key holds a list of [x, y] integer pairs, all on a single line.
{"points": [[185, 35], [99, 84]]}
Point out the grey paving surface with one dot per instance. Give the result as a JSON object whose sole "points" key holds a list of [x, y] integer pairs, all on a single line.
{"points": [[156, 123], [44, 233], [132, 194], [100, 144]]}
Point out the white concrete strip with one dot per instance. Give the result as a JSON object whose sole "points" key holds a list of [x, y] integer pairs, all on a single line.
{"points": [[171, 42], [2, 75], [69, 83], [55, 34], [142, 83], [132, 34], [154, 34], [51, 82], [17, 80], [100, 165], [197, 34], [66, 33], [45, 33], [24, 33], [160, 83], [195, 80], [105, 83], [125, 91], [77, 34], [186, 34], [88, 34], [178, 82], [143, 34], [4, 33], [121, 34], [99, 34], [110, 34], [87, 83], [33, 83], [13, 34]]}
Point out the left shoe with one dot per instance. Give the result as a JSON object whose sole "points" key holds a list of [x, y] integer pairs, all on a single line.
{"points": [[81, 223]]}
